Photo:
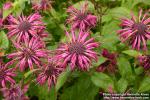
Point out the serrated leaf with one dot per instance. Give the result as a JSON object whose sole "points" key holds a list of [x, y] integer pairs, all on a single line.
{"points": [[42, 92], [122, 85], [4, 42], [145, 85], [132, 53], [124, 67], [100, 61], [90, 5], [147, 2], [18, 6], [139, 70], [62, 78], [102, 80], [120, 12], [7, 12], [82, 89]]}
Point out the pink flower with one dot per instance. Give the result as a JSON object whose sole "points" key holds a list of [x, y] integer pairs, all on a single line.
{"points": [[15, 92], [24, 26], [7, 5], [49, 73], [78, 52], [145, 61], [6, 75], [28, 54], [136, 31], [42, 33], [81, 19], [42, 5], [110, 64]]}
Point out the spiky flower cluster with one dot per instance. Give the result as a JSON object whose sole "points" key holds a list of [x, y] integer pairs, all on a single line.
{"points": [[28, 34], [24, 27], [81, 19], [15, 92], [136, 31], [6, 75], [49, 73], [78, 52], [42, 5]]}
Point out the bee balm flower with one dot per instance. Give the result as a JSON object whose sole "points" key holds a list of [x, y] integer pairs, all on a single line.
{"points": [[15, 92], [81, 19], [24, 26], [49, 73], [42, 5], [136, 31], [28, 54], [78, 51], [6, 75]]}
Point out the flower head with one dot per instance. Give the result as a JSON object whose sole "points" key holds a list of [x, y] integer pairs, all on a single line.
{"points": [[28, 54], [78, 51], [81, 19], [145, 61], [24, 26], [110, 64], [15, 92], [7, 5], [42, 5], [136, 31], [49, 73], [6, 75]]}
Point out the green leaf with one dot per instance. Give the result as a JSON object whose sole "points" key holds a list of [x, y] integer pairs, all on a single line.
{"points": [[78, 5], [122, 85], [146, 2], [45, 94], [139, 70], [81, 89], [124, 67], [120, 12], [110, 37], [18, 6], [62, 79], [42, 92], [132, 53], [52, 95], [7, 12], [100, 61], [145, 85], [102, 80], [4, 42]]}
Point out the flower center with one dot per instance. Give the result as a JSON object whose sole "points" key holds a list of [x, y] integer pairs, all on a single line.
{"points": [[140, 27], [28, 52], [77, 48], [24, 26], [49, 70], [81, 16]]}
